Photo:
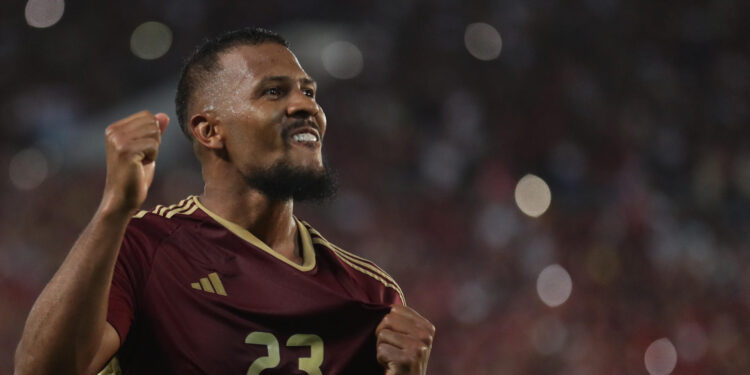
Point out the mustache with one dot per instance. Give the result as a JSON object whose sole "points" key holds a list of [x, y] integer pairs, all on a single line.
{"points": [[294, 125]]}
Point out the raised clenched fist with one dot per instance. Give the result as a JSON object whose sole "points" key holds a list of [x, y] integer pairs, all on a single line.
{"points": [[132, 148], [404, 341]]}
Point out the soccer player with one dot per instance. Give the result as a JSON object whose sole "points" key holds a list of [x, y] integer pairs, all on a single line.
{"points": [[229, 282]]}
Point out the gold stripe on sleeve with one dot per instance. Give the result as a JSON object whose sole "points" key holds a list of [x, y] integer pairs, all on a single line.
{"points": [[189, 211], [362, 265], [374, 276], [362, 261], [165, 209], [140, 214], [184, 207]]}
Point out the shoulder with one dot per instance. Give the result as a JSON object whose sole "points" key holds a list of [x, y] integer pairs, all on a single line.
{"points": [[149, 228], [366, 268]]}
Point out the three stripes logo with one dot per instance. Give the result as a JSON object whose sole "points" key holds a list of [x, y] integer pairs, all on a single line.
{"points": [[210, 284]]}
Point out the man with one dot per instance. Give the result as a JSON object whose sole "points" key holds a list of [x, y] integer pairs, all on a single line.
{"points": [[228, 282]]}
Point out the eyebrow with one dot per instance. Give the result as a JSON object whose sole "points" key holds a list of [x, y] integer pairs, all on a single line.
{"points": [[304, 80]]}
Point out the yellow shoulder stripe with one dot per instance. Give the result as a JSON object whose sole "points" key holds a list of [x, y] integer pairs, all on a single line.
{"points": [[363, 266], [160, 210], [365, 262], [185, 207]]}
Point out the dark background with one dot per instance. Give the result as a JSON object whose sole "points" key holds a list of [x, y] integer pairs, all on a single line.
{"points": [[634, 113]]}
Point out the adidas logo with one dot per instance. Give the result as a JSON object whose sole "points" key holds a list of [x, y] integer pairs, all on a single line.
{"points": [[210, 284]]}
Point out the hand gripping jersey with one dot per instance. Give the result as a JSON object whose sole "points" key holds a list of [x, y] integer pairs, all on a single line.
{"points": [[195, 294]]}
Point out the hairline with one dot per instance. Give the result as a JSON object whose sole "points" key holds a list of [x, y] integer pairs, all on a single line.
{"points": [[206, 61]]}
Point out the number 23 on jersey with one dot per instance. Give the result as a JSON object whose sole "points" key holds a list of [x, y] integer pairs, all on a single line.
{"points": [[310, 365]]}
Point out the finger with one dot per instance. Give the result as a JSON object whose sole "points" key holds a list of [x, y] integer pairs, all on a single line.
{"points": [[163, 120], [144, 150], [399, 340], [143, 130], [411, 315], [139, 127], [388, 354], [134, 116], [404, 323]]}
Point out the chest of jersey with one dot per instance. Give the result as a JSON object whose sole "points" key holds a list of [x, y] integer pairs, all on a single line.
{"points": [[216, 304]]}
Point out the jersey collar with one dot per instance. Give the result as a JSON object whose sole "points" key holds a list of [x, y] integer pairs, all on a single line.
{"points": [[308, 254]]}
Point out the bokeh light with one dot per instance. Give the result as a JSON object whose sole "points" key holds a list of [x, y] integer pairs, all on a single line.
{"points": [[44, 13], [483, 41], [661, 357], [27, 169], [342, 60], [151, 40], [533, 196], [554, 285]]}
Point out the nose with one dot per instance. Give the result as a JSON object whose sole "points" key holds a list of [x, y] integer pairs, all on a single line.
{"points": [[302, 106]]}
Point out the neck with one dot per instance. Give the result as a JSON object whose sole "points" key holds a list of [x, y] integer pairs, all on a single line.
{"points": [[270, 221]]}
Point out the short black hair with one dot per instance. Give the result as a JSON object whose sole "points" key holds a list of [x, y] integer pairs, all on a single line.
{"points": [[205, 60]]}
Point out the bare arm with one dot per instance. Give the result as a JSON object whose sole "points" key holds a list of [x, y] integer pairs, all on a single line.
{"points": [[67, 331]]}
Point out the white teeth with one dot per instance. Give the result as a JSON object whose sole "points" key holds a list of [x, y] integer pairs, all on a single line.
{"points": [[305, 137]]}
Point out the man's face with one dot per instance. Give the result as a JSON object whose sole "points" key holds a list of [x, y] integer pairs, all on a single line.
{"points": [[265, 105]]}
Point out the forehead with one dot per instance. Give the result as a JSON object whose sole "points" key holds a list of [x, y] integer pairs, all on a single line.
{"points": [[262, 60]]}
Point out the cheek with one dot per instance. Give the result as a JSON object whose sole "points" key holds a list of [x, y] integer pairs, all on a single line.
{"points": [[322, 122], [255, 132]]}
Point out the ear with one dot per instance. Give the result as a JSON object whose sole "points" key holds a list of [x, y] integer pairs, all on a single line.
{"points": [[207, 130]]}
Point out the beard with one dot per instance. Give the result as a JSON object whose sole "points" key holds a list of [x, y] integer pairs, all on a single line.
{"points": [[281, 182]]}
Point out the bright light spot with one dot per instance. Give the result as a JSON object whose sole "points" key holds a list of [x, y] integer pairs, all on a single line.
{"points": [[548, 336], [554, 285], [28, 169], [342, 60], [661, 357], [483, 41], [44, 13], [533, 196], [151, 40]]}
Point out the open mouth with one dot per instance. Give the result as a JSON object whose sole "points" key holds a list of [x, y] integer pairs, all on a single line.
{"points": [[305, 136]]}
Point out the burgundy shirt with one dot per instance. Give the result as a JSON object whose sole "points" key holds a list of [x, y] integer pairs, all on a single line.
{"points": [[195, 294]]}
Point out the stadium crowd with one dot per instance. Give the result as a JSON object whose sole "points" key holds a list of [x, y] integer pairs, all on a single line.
{"points": [[635, 114]]}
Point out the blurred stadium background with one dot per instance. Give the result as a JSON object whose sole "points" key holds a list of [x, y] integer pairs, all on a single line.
{"points": [[561, 187]]}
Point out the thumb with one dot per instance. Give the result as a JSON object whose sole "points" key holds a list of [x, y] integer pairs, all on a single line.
{"points": [[163, 120]]}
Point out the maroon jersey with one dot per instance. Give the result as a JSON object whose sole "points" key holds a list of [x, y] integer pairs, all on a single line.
{"points": [[196, 294]]}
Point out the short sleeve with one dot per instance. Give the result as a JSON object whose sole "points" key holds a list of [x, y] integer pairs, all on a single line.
{"points": [[130, 275]]}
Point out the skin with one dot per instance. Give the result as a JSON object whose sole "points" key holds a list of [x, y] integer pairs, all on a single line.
{"points": [[238, 125]]}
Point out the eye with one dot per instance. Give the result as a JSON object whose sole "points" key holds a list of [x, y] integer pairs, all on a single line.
{"points": [[272, 91], [309, 92]]}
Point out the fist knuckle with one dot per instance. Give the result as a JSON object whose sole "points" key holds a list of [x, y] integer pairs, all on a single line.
{"points": [[117, 143], [426, 338]]}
